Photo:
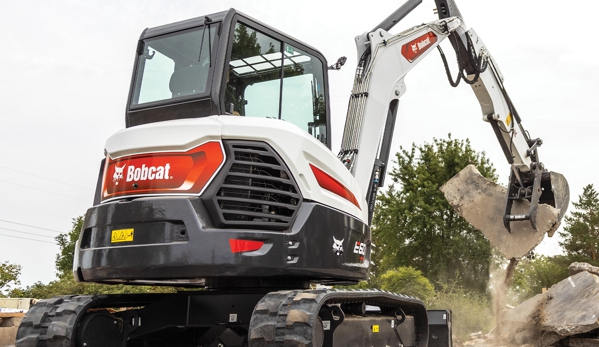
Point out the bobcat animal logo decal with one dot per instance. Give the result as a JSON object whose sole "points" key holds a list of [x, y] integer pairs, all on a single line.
{"points": [[118, 174], [337, 246]]}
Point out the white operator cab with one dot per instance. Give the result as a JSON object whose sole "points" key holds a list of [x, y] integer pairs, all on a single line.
{"points": [[228, 64], [230, 77]]}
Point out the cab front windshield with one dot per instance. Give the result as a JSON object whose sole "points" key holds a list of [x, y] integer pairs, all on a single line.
{"points": [[174, 65]]}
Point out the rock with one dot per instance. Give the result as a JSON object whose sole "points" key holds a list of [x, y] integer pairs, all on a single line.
{"points": [[520, 323], [482, 203], [580, 342], [580, 267], [474, 342], [521, 338], [476, 335], [572, 305], [548, 338]]}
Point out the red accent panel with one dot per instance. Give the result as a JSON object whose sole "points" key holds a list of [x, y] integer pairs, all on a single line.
{"points": [[415, 48], [331, 184], [162, 173], [238, 246]]}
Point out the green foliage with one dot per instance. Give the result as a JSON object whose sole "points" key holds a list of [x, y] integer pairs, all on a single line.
{"points": [[67, 285], [66, 242], [471, 311], [415, 226], [9, 276], [360, 285], [408, 281], [245, 44], [581, 232], [531, 276]]}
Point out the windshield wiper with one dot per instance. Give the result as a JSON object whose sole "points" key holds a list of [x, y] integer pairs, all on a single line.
{"points": [[207, 22]]}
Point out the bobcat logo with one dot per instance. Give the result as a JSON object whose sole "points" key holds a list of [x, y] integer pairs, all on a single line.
{"points": [[337, 246], [118, 174], [415, 48]]}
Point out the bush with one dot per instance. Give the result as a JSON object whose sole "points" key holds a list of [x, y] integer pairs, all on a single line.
{"points": [[68, 285], [408, 281], [472, 312]]}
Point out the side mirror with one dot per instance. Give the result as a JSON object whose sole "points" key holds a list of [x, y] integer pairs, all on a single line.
{"points": [[340, 62]]}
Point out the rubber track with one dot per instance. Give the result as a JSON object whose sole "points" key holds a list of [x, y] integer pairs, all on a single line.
{"points": [[50, 322], [289, 318]]}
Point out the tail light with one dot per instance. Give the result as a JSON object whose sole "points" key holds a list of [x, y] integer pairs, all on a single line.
{"points": [[329, 183], [162, 173], [240, 246]]}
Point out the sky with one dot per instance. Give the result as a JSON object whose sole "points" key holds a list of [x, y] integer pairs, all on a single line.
{"points": [[65, 70]]}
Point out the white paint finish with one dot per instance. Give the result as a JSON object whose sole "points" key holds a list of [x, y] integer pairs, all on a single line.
{"points": [[296, 147], [388, 68], [492, 101], [170, 136]]}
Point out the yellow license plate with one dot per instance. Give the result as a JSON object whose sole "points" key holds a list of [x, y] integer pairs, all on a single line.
{"points": [[121, 235]]}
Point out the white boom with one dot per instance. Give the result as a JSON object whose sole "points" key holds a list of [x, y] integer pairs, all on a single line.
{"points": [[384, 61], [378, 83]]}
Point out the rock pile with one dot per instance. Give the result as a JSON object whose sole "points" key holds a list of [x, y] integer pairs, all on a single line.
{"points": [[566, 315]]}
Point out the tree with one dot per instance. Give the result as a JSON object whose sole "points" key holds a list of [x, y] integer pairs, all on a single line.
{"points": [[415, 226], [9, 275], [66, 242], [408, 281], [581, 232]]}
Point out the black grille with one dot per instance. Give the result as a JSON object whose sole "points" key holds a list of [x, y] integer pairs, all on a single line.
{"points": [[255, 189]]}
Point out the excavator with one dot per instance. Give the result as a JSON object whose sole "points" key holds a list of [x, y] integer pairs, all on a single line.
{"points": [[224, 183]]}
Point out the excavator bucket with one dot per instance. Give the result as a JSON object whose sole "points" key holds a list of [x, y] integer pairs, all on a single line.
{"points": [[482, 203], [556, 192]]}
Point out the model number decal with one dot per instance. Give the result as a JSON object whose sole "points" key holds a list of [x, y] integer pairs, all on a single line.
{"points": [[360, 248]]}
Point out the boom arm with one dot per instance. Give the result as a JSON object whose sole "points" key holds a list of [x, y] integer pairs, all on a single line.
{"points": [[487, 83], [385, 59]]}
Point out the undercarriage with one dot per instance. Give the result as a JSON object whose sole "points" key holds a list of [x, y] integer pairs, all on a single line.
{"points": [[231, 318]]}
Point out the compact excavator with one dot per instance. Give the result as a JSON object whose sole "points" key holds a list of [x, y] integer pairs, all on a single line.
{"points": [[224, 181]]}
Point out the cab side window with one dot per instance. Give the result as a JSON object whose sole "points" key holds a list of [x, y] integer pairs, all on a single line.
{"points": [[254, 78], [269, 78], [303, 102]]}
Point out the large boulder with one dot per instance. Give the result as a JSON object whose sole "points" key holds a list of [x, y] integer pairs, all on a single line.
{"points": [[568, 309], [482, 203], [572, 305]]}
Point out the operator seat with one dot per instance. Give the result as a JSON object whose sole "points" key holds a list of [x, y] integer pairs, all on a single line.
{"points": [[188, 80]]}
